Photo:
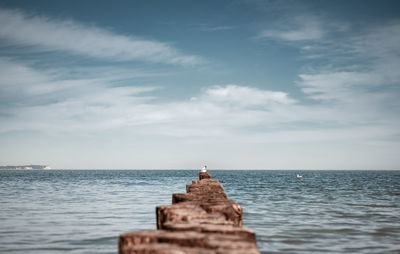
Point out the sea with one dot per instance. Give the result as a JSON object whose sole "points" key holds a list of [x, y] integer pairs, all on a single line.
{"points": [[85, 211]]}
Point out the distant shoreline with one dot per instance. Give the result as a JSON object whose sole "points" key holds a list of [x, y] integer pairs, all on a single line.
{"points": [[26, 167]]}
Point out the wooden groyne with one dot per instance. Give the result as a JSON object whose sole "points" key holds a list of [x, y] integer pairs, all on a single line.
{"points": [[201, 221]]}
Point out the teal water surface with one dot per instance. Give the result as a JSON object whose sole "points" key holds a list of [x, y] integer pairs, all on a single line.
{"points": [[84, 211]]}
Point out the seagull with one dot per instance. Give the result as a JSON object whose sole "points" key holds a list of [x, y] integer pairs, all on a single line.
{"points": [[299, 176], [204, 169]]}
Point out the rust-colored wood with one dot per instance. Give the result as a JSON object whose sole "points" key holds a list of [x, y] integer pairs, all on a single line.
{"points": [[201, 221]]}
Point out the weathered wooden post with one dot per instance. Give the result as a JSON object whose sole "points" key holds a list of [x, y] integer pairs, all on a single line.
{"points": [[202, 220]]}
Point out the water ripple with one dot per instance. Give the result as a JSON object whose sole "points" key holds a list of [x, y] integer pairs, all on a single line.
{"points": [[71, 211]]}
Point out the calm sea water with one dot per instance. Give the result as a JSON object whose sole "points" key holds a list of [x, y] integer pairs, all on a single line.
{"points": [[84, 211]]}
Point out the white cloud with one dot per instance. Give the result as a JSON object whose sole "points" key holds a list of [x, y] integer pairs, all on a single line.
{"points": [[351, 102], [335, 85], [246, 96], [301, 28], [21, 85], [247, 114], [356, 103], [35, 99], [381, 41], [363, 90], [354, 98], [372, 60], [51, 34], [226, 120]]}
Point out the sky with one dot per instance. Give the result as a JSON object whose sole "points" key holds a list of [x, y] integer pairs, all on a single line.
{"points": [[240, 84]]}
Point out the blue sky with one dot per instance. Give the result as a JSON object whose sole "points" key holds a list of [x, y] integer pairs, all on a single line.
{"points": [[176, 84]]}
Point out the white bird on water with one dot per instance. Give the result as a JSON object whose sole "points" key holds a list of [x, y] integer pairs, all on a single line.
{"points": [[204, 169], [299, 176]]}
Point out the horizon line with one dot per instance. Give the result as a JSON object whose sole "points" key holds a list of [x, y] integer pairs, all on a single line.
{"points": [[249, 169]]}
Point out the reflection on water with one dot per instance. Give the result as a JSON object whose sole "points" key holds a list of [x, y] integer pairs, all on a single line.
{"points": [[85, 211]]}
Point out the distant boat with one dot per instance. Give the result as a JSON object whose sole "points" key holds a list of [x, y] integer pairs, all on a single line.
{"points": [[299, 176], [204, 169]]}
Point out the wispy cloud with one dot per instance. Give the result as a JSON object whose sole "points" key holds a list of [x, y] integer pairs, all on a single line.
{"points": [[352, 70], [235, 117], [246, 96], [32, 99], [215, 28], [379, 40], [351, 102], [49, 34], [371, 58], [300, 28], [224, 112], [363, 86]]}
